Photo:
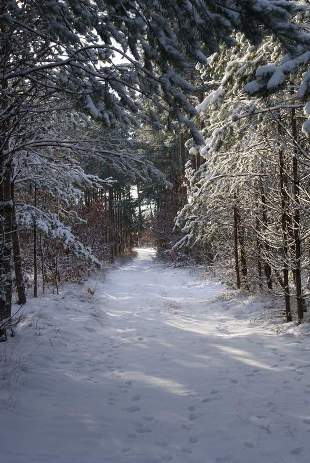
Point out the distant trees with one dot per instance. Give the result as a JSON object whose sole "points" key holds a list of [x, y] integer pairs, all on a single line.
{"points": [[166, 149]]}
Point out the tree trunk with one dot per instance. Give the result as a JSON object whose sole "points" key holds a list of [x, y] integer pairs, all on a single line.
{"points": [[267, 268], [236, 252], [35, 250], [19, 277], [259, 257], [239, 231], [5, 179], [243, 262], [42, 263], [111, 225], [284, 224], [296, 224], [5, 244]]}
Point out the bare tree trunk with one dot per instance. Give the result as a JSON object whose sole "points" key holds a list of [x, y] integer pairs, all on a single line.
{"points": [[239, 233], [56, 273], [106, 219], [5, 179], [243, 262], [284, 224], [236, 252], [259, 258], [5, 245], [35, 250], [139, 215], [111, 225], [42, 264], [19, 277], [296, 224], [118, 223], [267, 268], [122, 224]]}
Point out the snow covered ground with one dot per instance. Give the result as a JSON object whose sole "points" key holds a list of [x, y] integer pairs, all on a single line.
{"points": [[156, 366]]}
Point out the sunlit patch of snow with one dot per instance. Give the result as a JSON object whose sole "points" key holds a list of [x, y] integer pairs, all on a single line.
{"points": [[167, 384], [245, 357]]}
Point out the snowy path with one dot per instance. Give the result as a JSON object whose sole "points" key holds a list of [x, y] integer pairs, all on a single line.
{"points": [[157, 366]]}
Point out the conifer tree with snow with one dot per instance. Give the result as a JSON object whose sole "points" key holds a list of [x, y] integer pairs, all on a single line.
{"points": [[247, 202]]}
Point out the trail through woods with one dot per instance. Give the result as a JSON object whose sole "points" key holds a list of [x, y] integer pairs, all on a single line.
{"points": [[157, 365]]}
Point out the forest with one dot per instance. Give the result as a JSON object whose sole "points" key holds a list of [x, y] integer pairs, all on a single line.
{"points": [[153, 136]]}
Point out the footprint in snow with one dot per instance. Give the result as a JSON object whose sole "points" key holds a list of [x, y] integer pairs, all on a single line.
{"points": [[123, 390], [248, 445], [208, 399], [133, 409], [148, 418], [271, 404], [161, 443], [214, 391], [167, 458], [141, 429], [225, 459], [193, 439], [250, 374], [187, 426], [261, 422], [136, 397], [186, 450], [296, 451]]}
